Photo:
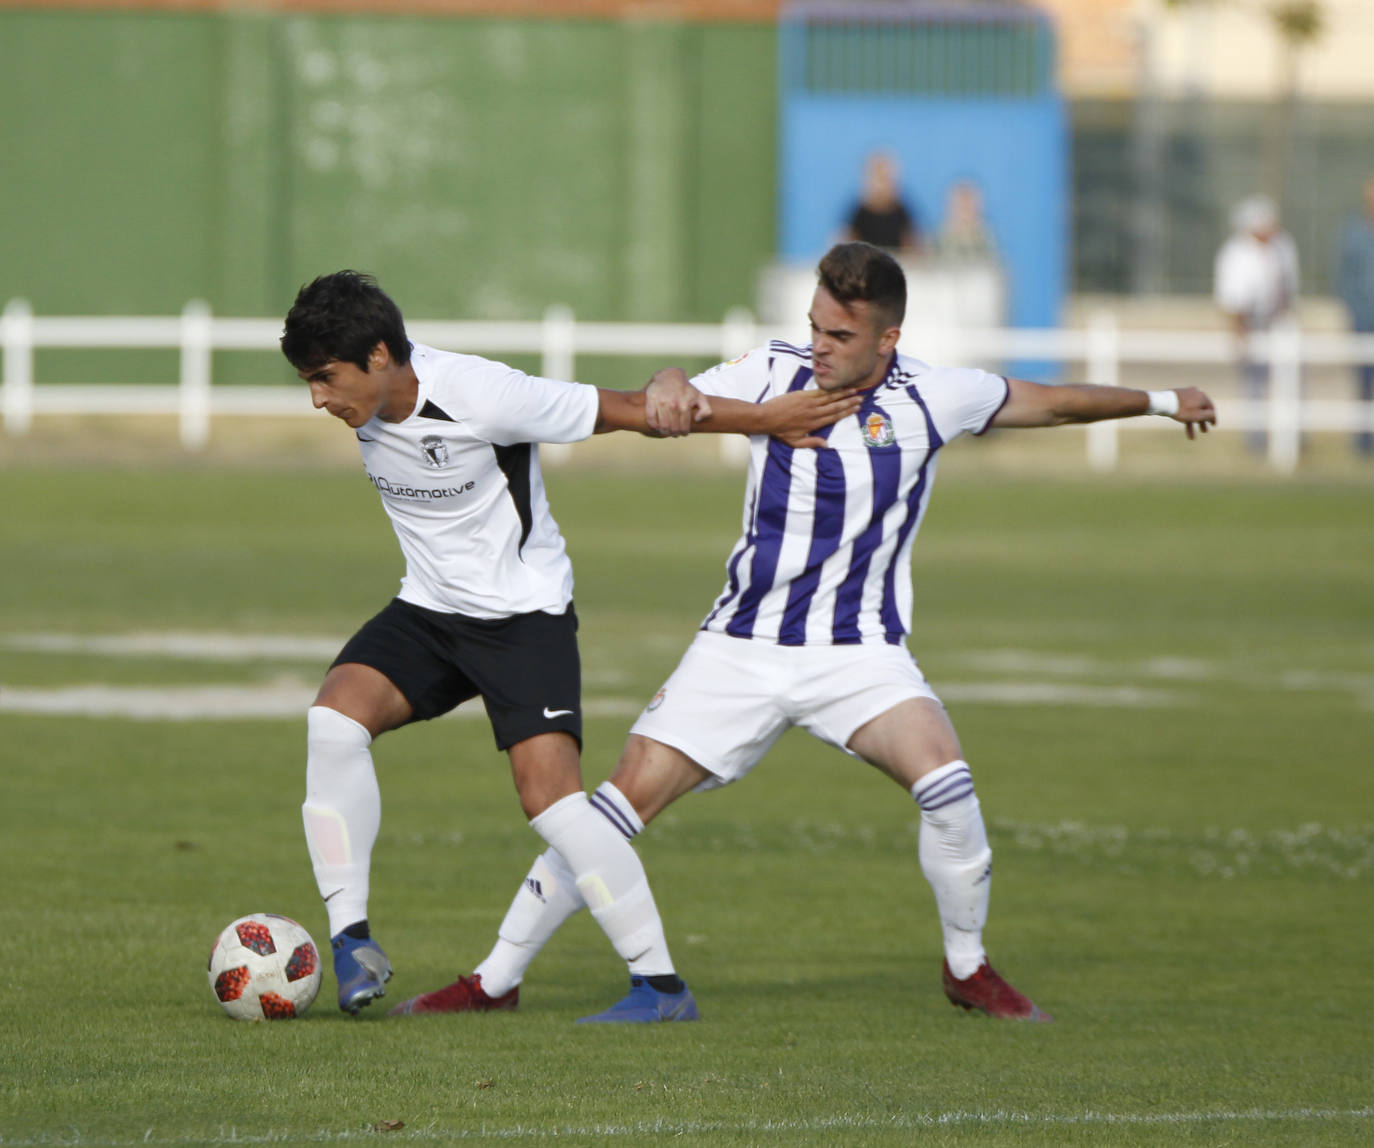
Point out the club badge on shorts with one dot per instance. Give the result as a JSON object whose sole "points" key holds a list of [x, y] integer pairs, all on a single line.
{"points": [[878, 431]]}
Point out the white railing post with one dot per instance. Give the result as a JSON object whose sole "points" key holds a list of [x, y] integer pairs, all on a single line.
{"points": [[1104, 367], [738, 334], [16, 333], [558, 339], [193, 393], [1285, 396], [559, 343]]}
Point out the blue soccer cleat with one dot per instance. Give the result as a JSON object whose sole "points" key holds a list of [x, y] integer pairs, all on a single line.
{"points": [[362, 970], [646, 1004]]}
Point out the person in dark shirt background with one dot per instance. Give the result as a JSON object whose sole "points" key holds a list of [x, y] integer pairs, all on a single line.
{"points": [[881, 217]]}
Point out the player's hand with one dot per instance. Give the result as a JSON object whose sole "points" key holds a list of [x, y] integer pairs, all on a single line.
{"points": [[794, 418], [1195, 410], [672, 405]]}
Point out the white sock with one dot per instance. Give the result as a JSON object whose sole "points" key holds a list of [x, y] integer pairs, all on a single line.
{"points": [[342, 813], [616, 808], [611, 881], [548, 897], [956, 860]]}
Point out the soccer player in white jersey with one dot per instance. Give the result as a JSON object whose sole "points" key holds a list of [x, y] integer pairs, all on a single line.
{"points": [[485, 606], [809, 629]]}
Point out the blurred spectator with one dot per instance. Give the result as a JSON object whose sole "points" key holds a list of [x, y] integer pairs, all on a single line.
{"points": [[881, 217], [964, 235], [1355, 285], [1256, 284]]}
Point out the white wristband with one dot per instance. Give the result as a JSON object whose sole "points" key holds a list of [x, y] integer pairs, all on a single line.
{"points": [[1162, 403]]}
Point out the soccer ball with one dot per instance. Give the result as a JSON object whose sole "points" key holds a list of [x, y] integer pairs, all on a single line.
{"points": [[264, 967]]}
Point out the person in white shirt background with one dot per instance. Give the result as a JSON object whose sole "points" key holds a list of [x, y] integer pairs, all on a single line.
{"points": [[1255, 284]]}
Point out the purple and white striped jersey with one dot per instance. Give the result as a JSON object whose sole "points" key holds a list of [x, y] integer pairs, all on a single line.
{"points": [[825, 558]]}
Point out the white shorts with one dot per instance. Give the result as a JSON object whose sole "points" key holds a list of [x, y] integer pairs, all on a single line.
{"points": [[730, 699]]}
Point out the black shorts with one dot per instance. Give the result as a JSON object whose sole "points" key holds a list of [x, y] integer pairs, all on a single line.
{"points": [[525, 668]]}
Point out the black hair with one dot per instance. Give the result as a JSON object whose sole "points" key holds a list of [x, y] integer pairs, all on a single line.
{"points": [[862, 273], [342, 317]]}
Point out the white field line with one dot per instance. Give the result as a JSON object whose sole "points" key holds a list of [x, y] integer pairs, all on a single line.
{"points": [[286, 698], [229, 647], [160, 703], [1059, 694], [289, 698], [208, 647], [1025, 678], [431, 1133]]}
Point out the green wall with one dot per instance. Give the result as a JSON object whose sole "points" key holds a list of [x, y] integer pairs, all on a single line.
{"points": [[109, 161], [481, 168]]}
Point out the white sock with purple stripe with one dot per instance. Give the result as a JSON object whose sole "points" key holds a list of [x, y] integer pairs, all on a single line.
{"points": [[612, 805], [956, 860]]}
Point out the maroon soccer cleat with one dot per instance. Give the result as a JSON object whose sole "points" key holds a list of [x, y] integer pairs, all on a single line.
{"points": [[987, 992], [464, 995]]}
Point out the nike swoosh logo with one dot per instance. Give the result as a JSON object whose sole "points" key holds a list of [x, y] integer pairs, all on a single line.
{"points": [[335, 893], [361, 439], [555, 713]]}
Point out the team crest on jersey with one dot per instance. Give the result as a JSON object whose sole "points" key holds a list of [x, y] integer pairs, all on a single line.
{"points": [[878, 431], [434, 451]]}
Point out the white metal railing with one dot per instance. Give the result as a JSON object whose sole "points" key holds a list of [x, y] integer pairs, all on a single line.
{"points": [[558, 338]]}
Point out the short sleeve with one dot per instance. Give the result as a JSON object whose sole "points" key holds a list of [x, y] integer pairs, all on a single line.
{"points": [[507, 406], [987, 394], [746, 378], [963, 400]]}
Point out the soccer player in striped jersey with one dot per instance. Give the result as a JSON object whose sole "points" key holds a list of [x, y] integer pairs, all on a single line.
{"points": [[810, 627], [485, 608]]}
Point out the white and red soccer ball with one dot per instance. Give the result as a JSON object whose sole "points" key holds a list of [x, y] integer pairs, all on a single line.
{"points": [[264, 967]]}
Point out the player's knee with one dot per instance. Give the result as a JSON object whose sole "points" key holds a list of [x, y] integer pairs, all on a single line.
{"points": [[651, 775], [326, 725], [364, 695]]}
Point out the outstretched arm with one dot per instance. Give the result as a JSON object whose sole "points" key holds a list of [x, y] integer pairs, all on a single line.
{"points": [[670, 406], [1041, 405], [665, 408], [794, 417]]}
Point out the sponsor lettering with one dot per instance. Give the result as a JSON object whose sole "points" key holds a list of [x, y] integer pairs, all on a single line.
{"points": [[417, 493]]}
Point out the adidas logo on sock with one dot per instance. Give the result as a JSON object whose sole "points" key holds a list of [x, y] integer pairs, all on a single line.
{"points": [[533, 885]]}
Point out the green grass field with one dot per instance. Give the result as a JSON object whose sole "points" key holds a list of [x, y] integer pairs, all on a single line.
{"points": [[1166, 692]]}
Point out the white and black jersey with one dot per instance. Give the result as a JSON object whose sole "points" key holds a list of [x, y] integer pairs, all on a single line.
{"points": [[825, 557], [461, 483]]}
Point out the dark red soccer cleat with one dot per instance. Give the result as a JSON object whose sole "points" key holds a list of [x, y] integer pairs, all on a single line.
{"points": [[464, 995], [987, 992]]}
